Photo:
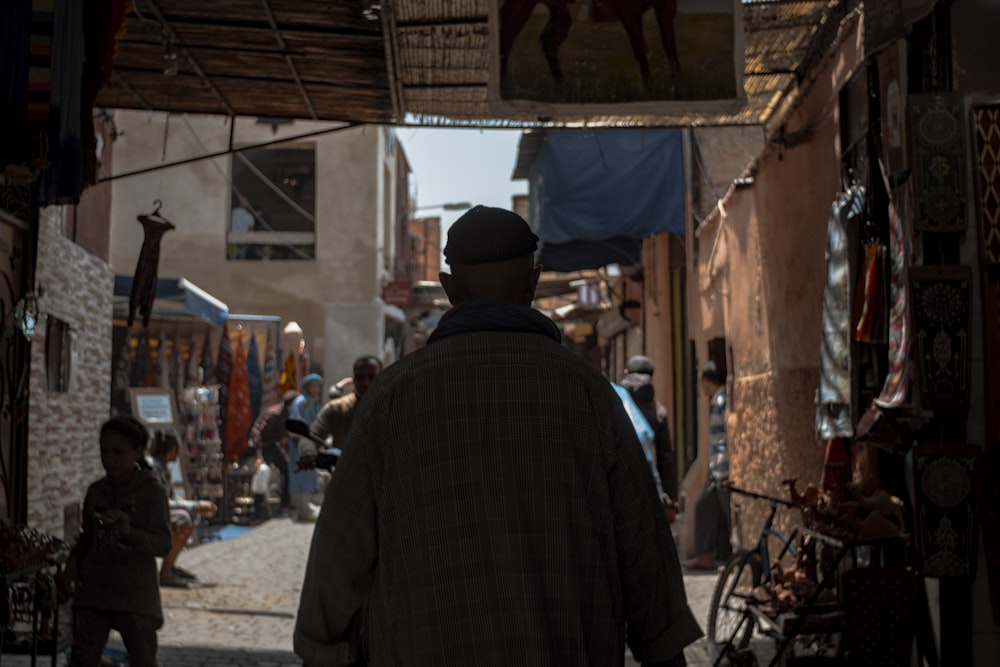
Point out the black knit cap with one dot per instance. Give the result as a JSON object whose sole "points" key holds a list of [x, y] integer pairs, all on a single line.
{"points": [[486, 234]]}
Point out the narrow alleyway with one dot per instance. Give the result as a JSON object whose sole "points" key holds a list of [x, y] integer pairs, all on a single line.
{"points": [[244, 615]]}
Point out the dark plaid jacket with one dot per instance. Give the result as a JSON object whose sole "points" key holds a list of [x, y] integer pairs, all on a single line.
{"points": [[492, 507]]}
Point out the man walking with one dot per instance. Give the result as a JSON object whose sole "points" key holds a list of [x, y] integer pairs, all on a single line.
{"points": [[492, 506], [334, 419], [652, 417], [711, 510]]}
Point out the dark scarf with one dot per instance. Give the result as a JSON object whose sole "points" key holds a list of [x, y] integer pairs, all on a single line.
{"points": [[486, 315]]}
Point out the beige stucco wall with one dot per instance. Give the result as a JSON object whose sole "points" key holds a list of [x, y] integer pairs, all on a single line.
{"points": [[64, 453], [353, 201], [760, 273]]}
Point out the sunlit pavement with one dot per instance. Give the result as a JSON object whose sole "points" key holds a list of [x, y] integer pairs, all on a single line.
{"points": [[244, 613]]}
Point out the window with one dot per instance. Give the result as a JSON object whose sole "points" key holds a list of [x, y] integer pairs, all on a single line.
{"points": [[58, 354], [273, 204]]}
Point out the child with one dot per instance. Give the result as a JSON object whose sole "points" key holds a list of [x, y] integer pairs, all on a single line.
{"points": [[165, 449], [113, 565]]}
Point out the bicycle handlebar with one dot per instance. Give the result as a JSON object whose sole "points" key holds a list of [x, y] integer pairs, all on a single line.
{"points": [[758, 496]]}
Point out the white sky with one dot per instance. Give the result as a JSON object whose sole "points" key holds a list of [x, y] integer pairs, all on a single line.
{"points": [[453, 165]]}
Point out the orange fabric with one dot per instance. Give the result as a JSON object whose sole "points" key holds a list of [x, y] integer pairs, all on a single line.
{"points": [[289, 375], [239, 418]]}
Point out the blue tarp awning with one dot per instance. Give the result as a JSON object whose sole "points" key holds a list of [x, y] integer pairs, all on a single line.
{"points": [[175, 297], [594, 195]]}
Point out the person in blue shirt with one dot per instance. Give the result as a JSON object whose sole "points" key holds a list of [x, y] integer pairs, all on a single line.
{"points": [[304, 483], [711, 510]]}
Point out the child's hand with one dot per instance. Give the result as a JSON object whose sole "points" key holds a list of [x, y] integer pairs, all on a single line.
{"points": [[66, 580], [121, 525]]}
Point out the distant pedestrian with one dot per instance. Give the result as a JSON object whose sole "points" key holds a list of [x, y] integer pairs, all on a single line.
{"points": [[269, 440], [492, 506], [111, 570], [304, 482], [164, 450], [711, 510], [334, 420], [638, 381]]}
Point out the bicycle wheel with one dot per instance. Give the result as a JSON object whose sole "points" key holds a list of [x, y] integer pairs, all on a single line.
{"points": [[729, 619]]}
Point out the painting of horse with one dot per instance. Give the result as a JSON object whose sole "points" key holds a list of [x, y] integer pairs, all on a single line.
{"points": [[515, 13], [616, 51]]}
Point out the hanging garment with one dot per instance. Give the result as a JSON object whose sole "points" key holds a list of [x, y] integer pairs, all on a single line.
{"points": [[146, 269], [207, 363], [833, 400], [269, 392], [62, 182], [223, 374], [192, 376], [238, 419], [289, 375], [900, 229], [870, 307], [254, 377]]}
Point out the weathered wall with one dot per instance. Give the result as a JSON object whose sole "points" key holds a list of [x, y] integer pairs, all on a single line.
{"points": [[353, 205], [63, 451], [761, 261]]}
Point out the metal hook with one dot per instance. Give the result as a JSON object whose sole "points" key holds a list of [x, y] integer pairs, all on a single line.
{"points": [[158, 205]]}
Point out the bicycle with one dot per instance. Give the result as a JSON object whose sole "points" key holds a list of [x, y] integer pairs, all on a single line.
{"points": [[731, 623]]}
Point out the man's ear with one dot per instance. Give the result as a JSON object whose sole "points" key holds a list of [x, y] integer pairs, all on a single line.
{"points": [[536, 273], [447, 283]]}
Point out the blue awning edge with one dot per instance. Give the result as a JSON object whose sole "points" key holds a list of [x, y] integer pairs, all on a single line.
{"points": [[177, 297]]}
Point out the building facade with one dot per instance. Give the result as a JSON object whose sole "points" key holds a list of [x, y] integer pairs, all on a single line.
{"points": [[317, 244]]}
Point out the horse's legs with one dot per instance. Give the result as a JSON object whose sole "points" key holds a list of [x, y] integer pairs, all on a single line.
{"points": [[630, 15], [556, 31], [513, 15], [666, 12]]}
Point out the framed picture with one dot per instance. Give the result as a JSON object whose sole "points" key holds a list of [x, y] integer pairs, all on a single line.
{"points": [[153, 407]]}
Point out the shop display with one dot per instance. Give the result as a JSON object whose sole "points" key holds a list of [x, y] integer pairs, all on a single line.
{"points": [[945, 483], [942, 322], [939, 161], [202, 458], [31, 621]]}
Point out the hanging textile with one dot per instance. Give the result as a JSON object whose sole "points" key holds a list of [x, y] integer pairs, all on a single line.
{"points": [[141, 365], [939, 161], [146, 269], [238, 419], [208, 374], [871, 314], [941, 324], [177, 369], [62, 182], [255, 377], [192, 376], [269, 394], [833, 400], [162, 373], [289, 375], [900, 226], [223, 372]]}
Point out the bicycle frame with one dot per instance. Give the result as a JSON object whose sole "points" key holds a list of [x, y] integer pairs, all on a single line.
{"points": [[760, 551]]}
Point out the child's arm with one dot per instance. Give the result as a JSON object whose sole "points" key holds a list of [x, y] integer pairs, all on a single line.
{"points": [[154, 539], [66, 580]]}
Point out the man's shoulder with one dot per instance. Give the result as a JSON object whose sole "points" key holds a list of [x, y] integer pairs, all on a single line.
{"points": [[341, 403]]}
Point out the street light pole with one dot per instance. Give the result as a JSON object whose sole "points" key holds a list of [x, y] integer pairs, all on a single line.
{"points": [[447, 206]]}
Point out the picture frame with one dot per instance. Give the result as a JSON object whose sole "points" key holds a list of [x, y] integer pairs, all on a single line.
{"points": [[154, 407]]}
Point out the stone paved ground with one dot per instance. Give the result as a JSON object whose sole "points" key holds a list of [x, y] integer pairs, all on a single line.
{"points": [[246, 618]]}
